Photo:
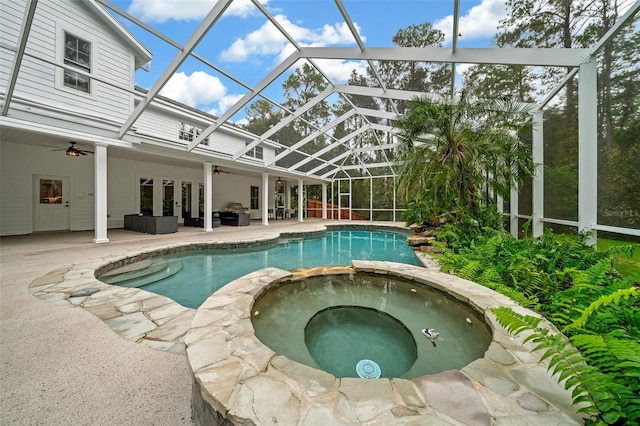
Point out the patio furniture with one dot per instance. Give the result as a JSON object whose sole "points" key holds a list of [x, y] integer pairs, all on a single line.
{"points": [[151, 224], [128, 218], [199, 222], [161, 224], [234, 218], [234, 214]]}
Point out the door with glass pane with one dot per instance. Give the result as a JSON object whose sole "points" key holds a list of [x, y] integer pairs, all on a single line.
{"points": [[200, 200], [146, 196], [185, 204], [281, 199], [51, 203], [168, 197]]}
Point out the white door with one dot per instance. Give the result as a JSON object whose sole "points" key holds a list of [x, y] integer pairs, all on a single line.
{"points": [[51, 203]]}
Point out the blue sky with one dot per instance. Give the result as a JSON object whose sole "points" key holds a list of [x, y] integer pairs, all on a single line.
{"points": [[244, 44]]}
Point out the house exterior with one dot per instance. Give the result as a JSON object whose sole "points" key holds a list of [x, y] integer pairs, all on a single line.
{"points": [[72, 86]]}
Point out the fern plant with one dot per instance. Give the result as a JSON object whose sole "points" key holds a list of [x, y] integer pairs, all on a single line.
{"points": [[603, 370], [595, 308], [589, 387]]}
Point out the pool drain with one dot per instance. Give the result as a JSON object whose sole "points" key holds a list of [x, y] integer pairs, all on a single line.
{"points": [[368, 369]]}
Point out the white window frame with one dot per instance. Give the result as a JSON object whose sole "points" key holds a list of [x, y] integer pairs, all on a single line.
{"points": [[76, 61], [188, 132], [256, 152], [61, 59], [256, 198]]}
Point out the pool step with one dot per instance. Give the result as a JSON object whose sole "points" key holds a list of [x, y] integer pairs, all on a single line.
{"points": [[150, 272]]}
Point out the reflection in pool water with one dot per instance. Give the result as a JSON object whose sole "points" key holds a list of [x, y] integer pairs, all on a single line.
{"points": [[294, 319], [190, 277]]}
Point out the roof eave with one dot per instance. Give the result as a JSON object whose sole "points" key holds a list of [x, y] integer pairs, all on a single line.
{"points": [[142, 54]]}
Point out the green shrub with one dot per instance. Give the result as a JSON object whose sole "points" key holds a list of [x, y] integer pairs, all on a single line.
{"points": [[597, 354]]}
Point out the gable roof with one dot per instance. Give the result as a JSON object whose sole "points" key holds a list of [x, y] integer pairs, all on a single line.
{"points": [[142, 54]]}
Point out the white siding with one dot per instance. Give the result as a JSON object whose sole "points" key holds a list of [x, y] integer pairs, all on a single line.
{"points": [[112, 58], [20, 162], [224, 142], [160, 123], [123, 179], [230, 188], [10, 22]]}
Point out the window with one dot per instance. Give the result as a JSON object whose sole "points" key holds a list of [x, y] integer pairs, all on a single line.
{"points": [[168, 195], [50, 191], [255, 198], [77, 54], [255, 152], [146, 196], [188, 132]]}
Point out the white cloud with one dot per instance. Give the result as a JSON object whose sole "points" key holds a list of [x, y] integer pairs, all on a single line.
{"points": [[267, 40], [462, 68], [340, 71], [480, 22], [185, 10], [224, 104], [242, 122], [200, 90], [196, 89]]}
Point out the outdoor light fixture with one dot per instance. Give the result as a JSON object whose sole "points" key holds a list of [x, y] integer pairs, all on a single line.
{"points": [[216, 172], [279, 182], [74, 151]]}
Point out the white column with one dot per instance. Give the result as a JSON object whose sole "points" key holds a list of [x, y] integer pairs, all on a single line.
{"points": [[394, 198], [300, 199], [500, 203], [537, 226], [287, 199], [324, 201], [208, 196], [513, 212], [265, 199], [100, 193], [339, 202], [350, 199], [587, 151]]}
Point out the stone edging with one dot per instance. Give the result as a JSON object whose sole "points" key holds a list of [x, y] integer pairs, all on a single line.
{"points": [[138, 315], [239, 380]]}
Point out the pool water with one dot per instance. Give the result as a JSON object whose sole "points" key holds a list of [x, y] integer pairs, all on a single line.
{"points": [[306, 321], [361, 334], [193, 276]]}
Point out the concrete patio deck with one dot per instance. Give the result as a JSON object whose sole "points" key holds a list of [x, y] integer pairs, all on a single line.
{"points": [[60, 365]]}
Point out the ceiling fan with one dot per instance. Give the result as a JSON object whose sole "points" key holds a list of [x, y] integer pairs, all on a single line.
{"points": [[74, 151], [217, 171]]}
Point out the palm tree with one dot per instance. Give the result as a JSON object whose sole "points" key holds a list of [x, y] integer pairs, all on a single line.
{"points": [[455, 153]]}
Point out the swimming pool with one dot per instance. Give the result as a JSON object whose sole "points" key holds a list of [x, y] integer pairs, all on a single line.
{"points": [[190, 277]]}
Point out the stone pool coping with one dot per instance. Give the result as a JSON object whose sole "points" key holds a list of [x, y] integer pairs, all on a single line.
{"points": [[504, 387], [148, 318], [239, 380]]}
